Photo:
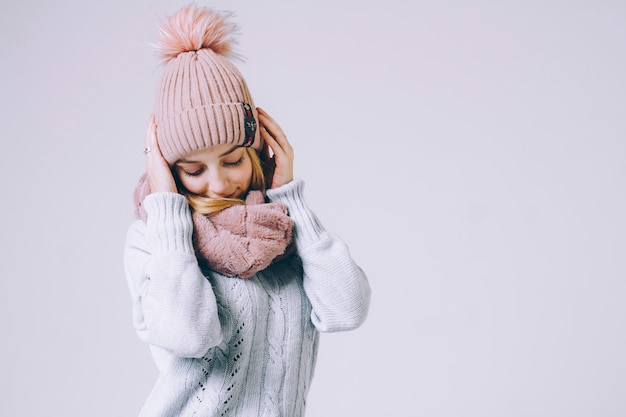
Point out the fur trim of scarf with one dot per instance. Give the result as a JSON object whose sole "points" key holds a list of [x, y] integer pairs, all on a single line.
{"points": [[238, 241]]}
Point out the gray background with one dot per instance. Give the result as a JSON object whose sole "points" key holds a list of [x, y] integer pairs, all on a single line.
{"points": [[471, 153]]}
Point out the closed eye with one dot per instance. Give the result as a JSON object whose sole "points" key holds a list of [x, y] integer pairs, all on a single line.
{"points": [[234, 164], [194, 173]]}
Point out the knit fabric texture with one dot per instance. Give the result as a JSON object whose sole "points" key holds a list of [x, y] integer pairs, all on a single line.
{"points": [[202, 99], [233, 347], [238, 240]]}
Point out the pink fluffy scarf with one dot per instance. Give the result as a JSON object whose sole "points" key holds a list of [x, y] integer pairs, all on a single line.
{"points": [[237, 241]]}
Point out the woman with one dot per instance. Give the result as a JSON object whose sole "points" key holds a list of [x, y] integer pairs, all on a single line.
{"points": [[231, 274]]}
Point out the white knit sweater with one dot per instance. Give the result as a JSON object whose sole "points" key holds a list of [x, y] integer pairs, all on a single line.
{"points": [[228, 346]]}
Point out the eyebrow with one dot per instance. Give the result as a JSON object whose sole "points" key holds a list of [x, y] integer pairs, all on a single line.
{"points": [[186, 161], [233, 149]]}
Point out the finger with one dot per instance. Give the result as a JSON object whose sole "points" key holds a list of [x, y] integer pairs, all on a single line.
{"points": [[280, 152], [270, 124], [157, 168], [268, 137], [274, 129], [152, 150], [150, 136]]}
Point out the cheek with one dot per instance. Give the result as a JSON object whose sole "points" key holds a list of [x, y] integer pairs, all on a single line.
{"points": [[192, 184], [245, 175]]}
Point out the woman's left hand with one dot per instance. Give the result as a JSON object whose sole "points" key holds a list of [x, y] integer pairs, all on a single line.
{"points": [[280, 165]]}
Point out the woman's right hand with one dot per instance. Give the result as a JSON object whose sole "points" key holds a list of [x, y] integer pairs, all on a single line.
{"points": [[158, 170]]}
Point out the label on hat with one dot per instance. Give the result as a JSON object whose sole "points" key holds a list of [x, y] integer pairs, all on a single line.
{"points": [[249, 124]]}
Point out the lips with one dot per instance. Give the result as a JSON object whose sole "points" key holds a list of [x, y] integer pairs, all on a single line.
{"points": [[234, 194]]}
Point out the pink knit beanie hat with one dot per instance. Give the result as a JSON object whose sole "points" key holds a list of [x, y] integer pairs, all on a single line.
{"points": [[202, 99]]}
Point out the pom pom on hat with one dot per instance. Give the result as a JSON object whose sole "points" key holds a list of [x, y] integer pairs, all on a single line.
{"points": [[193, 28], [202, 99]]}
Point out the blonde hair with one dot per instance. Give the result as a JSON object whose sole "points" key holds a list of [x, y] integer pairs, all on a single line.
{"points": [[206, 205]]}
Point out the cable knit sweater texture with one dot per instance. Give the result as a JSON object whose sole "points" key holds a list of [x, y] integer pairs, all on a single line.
{"points": [[234, 347]]}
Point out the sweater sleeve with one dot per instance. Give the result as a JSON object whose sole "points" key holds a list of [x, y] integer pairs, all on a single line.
{"points": [[174, 306], [336, 286]]}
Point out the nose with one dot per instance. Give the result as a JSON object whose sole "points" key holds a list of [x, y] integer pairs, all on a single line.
{"points": [[218, 184]]}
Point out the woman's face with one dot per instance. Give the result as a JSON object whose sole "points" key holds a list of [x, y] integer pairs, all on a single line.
{"points": [[221, 171]]}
